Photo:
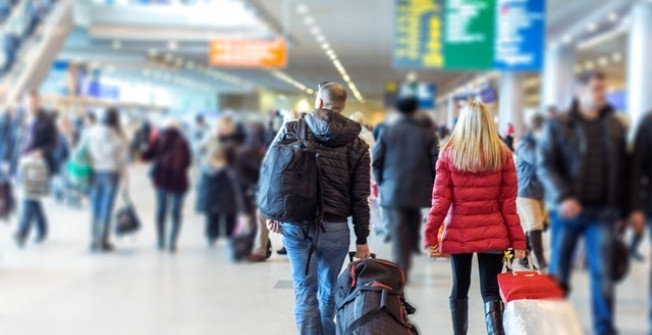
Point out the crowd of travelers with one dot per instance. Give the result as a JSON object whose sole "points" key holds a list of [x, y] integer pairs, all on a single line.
{"points": [[570, 173]]}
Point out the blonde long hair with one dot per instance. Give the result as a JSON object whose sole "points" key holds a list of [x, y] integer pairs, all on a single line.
{"points": [[474, 145]]}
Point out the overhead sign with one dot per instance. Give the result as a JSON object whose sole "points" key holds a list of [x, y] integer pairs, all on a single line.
{"points": [[519, 37], [469, 34], [248, 53]]}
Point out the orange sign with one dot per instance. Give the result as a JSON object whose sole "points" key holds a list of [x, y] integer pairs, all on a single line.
{"points": [[248, 53]]}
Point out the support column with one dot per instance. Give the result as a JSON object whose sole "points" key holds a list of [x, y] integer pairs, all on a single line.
{"points": [[558, 77], [511, 103], [639, 67]]}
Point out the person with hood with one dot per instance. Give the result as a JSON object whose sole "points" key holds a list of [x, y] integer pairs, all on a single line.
{"points": [[582, 165], [405, 158], [475, 198], [219, 196], [344, 161], [171, 158], [40, 142], [109, 154], [530, 202]]}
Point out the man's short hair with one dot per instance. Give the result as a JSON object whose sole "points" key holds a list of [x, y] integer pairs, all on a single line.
{"points": [[407, 104], [585, 78], [333, 94]]}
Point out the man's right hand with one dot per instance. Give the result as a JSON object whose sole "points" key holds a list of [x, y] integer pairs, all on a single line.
{"points": [[274, 226], [637, 221], [570, 208]]}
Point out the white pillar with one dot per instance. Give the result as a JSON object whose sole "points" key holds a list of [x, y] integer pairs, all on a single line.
{"points": [[511, 103], [450, 113], [639, 58], [558, 77]]}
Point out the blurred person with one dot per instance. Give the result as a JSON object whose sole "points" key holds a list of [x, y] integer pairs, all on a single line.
{"points": [[247, 164], [509, 137], [141, 140], [109, 153], [40, 142], [171, 158], [530, 202], [443, 132], [344, 161], [62, 148], [10, 125], [199, 133], [404, 161], [218, 196], [475, 195], [641, 192], [368, 137], [582, 167]]}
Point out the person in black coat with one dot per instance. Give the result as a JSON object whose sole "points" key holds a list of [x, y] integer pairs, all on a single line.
{"points": [[220, 196], [404, 162]]}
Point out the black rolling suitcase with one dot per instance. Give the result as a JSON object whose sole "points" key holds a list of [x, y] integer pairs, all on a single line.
{"points": [[369, 299]]}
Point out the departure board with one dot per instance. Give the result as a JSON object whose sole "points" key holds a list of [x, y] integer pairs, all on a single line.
{"points": [[469, 34]]}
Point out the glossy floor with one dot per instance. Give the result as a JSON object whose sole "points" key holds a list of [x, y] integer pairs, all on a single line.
{"points": [[61, 288]]}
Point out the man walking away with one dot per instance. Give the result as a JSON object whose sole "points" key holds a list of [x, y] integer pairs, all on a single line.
{"points": [[641, 196], [40, 143], [344, 163], [405, 158], [582, 166]]}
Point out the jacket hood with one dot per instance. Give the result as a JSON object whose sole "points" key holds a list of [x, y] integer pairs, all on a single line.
{"points": [[332, 129]]}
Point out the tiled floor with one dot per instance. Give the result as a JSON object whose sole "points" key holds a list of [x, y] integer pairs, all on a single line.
{"points": [[60, 288]]}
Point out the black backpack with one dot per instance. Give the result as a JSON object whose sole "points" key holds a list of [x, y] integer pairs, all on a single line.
{"points": [[369, 299], [290, 186], [7, 200]]}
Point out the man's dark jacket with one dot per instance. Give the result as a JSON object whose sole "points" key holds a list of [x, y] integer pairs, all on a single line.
{"points": [[405, 161], [42, 136], [345, 164], [641, 168], [562, 155]]}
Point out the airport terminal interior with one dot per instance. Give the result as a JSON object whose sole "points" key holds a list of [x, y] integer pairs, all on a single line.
{"points": [[214, 72]]}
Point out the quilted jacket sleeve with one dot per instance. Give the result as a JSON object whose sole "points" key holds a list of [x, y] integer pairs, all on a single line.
{"points": [[507, 202], [442, 198], [360, 191]]}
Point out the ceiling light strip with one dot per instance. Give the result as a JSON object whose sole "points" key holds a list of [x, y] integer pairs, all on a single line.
{"points": [[316, 31], [282, 76]]}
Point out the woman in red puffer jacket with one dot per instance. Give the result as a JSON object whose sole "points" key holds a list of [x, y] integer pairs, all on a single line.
{"points": [[475, 197]]}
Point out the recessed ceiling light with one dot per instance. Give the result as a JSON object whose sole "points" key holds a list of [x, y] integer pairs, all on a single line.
{"points": [[325, 46], [315, 30], [302, 9], [117, 44], [589, 65], [310, 91], [172, 45], [603, 61], [617, 57], [320, 38], [309, 20], [613, 17], [153, 52], [592, 27]]}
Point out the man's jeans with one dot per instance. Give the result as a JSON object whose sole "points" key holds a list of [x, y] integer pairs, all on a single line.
{"points": [[314, 293], [598, 232], [32, 212], [103, 194], [173, 202]]}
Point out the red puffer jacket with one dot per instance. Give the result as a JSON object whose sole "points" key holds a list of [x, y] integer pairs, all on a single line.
{"points": [[479, 209]]}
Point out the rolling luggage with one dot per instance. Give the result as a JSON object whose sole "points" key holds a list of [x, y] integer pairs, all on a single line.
{"points": [[535, 303], [369, 299]]}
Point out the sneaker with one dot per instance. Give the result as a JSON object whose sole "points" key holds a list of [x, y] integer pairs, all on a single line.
{"points": [[283, 251], [107, 247], [637, 256], [173, 250], [40, 239]]}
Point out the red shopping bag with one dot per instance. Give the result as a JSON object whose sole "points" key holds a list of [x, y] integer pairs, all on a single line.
{"points": [[532, 285]]}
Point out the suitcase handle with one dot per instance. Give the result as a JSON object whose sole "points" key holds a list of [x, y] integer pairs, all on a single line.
{"points": [[352, 256], [508, 260]]}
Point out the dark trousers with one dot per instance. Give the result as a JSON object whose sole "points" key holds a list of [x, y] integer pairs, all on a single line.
{"points": [[597, 231], [405, 228], [172, 202], [219, 223], [32, 213], [490, 265]]}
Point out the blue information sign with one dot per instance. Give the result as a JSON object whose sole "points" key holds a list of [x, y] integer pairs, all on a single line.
{"points": [[520, 27]]}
